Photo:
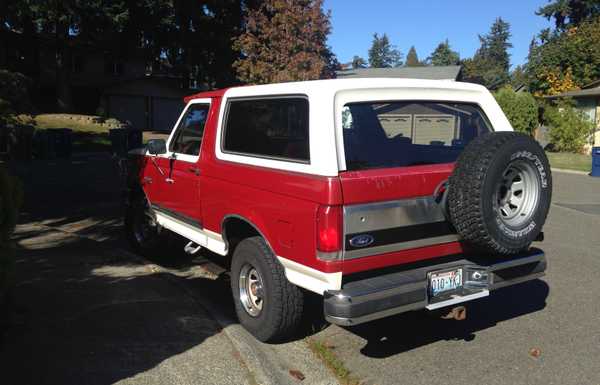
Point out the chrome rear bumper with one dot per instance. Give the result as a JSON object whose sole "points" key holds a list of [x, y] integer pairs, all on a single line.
{"points": [[372, 295]]}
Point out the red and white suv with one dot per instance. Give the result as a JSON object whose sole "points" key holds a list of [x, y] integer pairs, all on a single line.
{"points": [[381, 195]]}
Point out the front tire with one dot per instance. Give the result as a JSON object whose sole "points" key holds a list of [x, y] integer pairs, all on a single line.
{"points": [[266, 303], [142, 231]]}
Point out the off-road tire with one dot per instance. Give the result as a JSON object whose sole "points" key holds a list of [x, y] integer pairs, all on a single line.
{"points": [[151, 244], [474, 197], [283, 302]]}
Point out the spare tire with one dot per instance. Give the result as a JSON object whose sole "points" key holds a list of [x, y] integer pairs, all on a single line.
{"points": [[499, 192]]}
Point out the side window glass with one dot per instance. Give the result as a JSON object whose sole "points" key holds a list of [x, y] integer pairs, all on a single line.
{"points": [[270, 128], [188, 136]]}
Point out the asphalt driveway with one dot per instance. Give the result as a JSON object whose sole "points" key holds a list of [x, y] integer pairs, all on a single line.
{"points": [[541, 332], [88, 311]]}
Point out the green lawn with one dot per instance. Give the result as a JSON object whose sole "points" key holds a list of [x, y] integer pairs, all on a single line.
{"points": [[570, 161], [90, 133]]}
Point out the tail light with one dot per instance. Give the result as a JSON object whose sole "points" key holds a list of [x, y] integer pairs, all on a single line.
{"points": [[329, 232]]}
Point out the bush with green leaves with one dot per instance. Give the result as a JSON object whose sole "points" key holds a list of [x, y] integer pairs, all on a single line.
{"points": [[570, 130], [520, 108], [11, 198]]}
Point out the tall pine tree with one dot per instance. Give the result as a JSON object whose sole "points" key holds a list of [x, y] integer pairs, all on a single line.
{"points": [[490, 64], [382, 54], [443, 55]]}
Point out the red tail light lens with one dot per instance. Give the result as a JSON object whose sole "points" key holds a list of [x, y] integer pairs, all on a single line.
{"points": [[329, 229]]}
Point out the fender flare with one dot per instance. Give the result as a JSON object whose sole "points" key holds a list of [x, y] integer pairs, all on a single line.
{"points": [[248, 222]]}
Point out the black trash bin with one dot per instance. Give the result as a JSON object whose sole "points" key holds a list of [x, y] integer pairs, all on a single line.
{"points": [[124, 139]]}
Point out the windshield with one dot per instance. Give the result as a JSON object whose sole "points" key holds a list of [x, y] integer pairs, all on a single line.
{"points": [[395, 134]]}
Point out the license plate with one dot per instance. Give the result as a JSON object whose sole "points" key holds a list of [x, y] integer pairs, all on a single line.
{"points": [[444, 281]]}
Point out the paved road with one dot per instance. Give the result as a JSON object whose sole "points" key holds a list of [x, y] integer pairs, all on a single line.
{"points": [[559, 315], [93, 313]]}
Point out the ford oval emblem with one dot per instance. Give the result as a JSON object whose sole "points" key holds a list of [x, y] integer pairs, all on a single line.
{"points": [[362, 240]]}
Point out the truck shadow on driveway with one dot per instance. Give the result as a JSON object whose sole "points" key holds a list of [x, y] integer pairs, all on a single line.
{"points": [[89, 313], [404, 332]]}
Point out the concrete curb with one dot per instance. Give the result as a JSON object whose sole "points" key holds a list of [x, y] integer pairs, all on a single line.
{"points": [[566, 171]]}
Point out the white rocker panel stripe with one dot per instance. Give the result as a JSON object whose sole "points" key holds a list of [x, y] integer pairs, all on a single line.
{"points": [[205, 238]]}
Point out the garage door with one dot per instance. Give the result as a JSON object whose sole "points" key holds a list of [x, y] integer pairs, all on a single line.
{"points": [[129, 108], [165, 112]]}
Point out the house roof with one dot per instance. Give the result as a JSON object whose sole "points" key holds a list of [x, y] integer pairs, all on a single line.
{"points": [[425, 72], [589, 90]]}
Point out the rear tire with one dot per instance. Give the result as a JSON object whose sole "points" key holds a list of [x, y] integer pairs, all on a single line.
{"points": [[266, 303], [500, 192]]}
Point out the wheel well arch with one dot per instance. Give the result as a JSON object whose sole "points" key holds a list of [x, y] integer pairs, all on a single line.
{"points": [[235, 227]]}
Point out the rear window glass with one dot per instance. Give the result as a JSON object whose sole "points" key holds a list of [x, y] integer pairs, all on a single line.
{"points": [[271, 128], [395, 134]]}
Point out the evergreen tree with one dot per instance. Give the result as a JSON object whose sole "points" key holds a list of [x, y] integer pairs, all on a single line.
{"points": [[382, 54], [285, 41], [490, 64], [443, 55]]}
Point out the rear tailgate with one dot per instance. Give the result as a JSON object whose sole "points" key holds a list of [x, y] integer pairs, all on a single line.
{"points": [[394, 209]]}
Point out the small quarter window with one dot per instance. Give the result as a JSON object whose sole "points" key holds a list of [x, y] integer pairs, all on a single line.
{"points": [[188, 137], [270, 127]]}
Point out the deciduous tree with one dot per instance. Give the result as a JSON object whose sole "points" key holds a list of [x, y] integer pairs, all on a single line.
{"points": [[565, 60], [285, 41], [412, 60], [358, 62]]}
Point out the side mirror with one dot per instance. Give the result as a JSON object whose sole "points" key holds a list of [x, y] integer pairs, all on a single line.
{"points": [[156, 146]]}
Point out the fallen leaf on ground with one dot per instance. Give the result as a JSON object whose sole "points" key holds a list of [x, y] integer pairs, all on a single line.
{"points": [[297, 374], [535, 352]]}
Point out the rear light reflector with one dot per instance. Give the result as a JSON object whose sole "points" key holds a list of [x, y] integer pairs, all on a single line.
{"points": [[329, 232]]}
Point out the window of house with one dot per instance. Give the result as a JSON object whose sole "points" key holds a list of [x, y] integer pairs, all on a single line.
{"points": [[269, 127], [188, 135]]}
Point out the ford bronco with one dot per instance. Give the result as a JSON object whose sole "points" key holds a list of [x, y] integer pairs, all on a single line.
{"points": [[382, 195]]}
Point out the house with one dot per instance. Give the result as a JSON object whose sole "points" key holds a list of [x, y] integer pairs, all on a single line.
{"points": [[147, 102], [587, 100], [147, 93], [424, 72]]}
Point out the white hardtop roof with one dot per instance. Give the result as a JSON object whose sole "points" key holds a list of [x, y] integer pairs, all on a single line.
{"points": [[332, 86]]}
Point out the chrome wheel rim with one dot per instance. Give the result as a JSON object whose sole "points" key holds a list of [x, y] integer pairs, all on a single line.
{"points": [[517, 193], [251, 290]]}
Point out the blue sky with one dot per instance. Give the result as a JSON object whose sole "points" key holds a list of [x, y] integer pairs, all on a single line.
{"points": [[425, 23]]}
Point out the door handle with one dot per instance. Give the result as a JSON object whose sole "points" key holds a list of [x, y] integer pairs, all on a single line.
{"points": [[195, 170]]}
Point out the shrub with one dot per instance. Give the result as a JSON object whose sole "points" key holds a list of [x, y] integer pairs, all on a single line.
{"points": [[570, 130], [520, 108]]}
